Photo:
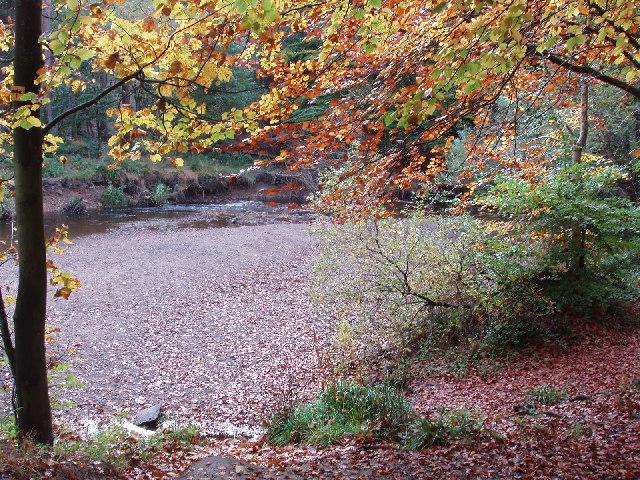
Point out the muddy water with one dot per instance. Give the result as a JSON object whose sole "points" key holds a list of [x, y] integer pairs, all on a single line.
{"points": [[169, 217]]}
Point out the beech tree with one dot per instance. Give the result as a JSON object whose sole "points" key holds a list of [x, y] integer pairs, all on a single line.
{"points": [[178, 49], [399, 78]]}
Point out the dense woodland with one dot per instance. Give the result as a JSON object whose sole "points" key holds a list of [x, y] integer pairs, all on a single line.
{"points": [[474, 168]]}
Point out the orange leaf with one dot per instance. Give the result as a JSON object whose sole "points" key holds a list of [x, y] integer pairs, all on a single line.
{"points": [[148, 24], [63, 292], [112, 60]]}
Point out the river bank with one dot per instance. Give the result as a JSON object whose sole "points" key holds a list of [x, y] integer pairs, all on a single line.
{"points": [[162, 186]]}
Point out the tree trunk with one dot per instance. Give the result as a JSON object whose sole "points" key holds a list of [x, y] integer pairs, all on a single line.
{"points": [[32, 396], [579, 233], [584, 124]]}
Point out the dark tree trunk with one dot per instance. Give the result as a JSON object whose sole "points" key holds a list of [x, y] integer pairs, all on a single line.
{"points": [[32, 396]]}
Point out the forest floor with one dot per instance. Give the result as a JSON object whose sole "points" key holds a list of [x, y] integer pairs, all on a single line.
{"points": [[216, 325]]}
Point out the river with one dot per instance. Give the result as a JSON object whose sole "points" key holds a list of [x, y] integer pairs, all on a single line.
{"points": [[173, 217]]}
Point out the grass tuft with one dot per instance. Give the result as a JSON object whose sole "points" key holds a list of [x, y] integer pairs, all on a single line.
{"points": [[343, 409]]}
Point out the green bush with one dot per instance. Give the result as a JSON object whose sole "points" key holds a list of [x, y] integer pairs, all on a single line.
{"points": [[343, 409], [112, 175], [74, 207], [576, 239], [561, 242], [52, 168], [114, 198], [160, 194]]}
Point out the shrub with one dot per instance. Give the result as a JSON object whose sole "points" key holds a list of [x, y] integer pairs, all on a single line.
{"points": [[578, 240], [398, 280], [343, 409], [562, 243], [114, 198], [120, 448], [112, 175], [53, 168], [160, 194]]}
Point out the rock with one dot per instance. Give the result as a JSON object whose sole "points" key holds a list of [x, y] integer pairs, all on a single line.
{"points": [[149, 417]]}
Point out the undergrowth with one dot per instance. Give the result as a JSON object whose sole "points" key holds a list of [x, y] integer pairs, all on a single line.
{"points": [[105, 454], [368, 412], [547, 394]]}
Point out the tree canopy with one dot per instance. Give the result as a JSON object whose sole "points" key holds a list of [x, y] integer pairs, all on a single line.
{"points": [[402, 78]]}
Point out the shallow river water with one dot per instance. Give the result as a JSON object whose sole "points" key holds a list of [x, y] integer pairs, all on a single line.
{"points": [[170, 217]]}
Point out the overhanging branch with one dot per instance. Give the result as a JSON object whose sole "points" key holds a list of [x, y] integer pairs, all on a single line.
{"points": [[585, 70], [91, 102]]}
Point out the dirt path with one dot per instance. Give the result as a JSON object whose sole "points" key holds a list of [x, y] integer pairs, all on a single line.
{"points": [[214, 324]]}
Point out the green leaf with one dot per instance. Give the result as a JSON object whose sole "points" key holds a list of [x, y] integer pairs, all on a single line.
{"points": [[577, 40], [375, 3], [240, 5], [57, 47], [389, 118], [26, 123], [63, 71], [27, 97], [34, 121], [440, 7], [75, 62], [84, 54], [471, 86]]}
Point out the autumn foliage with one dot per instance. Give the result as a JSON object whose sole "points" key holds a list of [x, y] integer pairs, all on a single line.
{"points": [[393, 82]]}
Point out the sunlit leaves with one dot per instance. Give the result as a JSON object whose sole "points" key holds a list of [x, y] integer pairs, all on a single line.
{"points": [[65, 281], [406, 73]]}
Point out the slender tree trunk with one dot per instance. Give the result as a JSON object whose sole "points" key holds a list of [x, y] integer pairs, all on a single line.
{"points": [[579, 233], [32, 396], [584, 125]]}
